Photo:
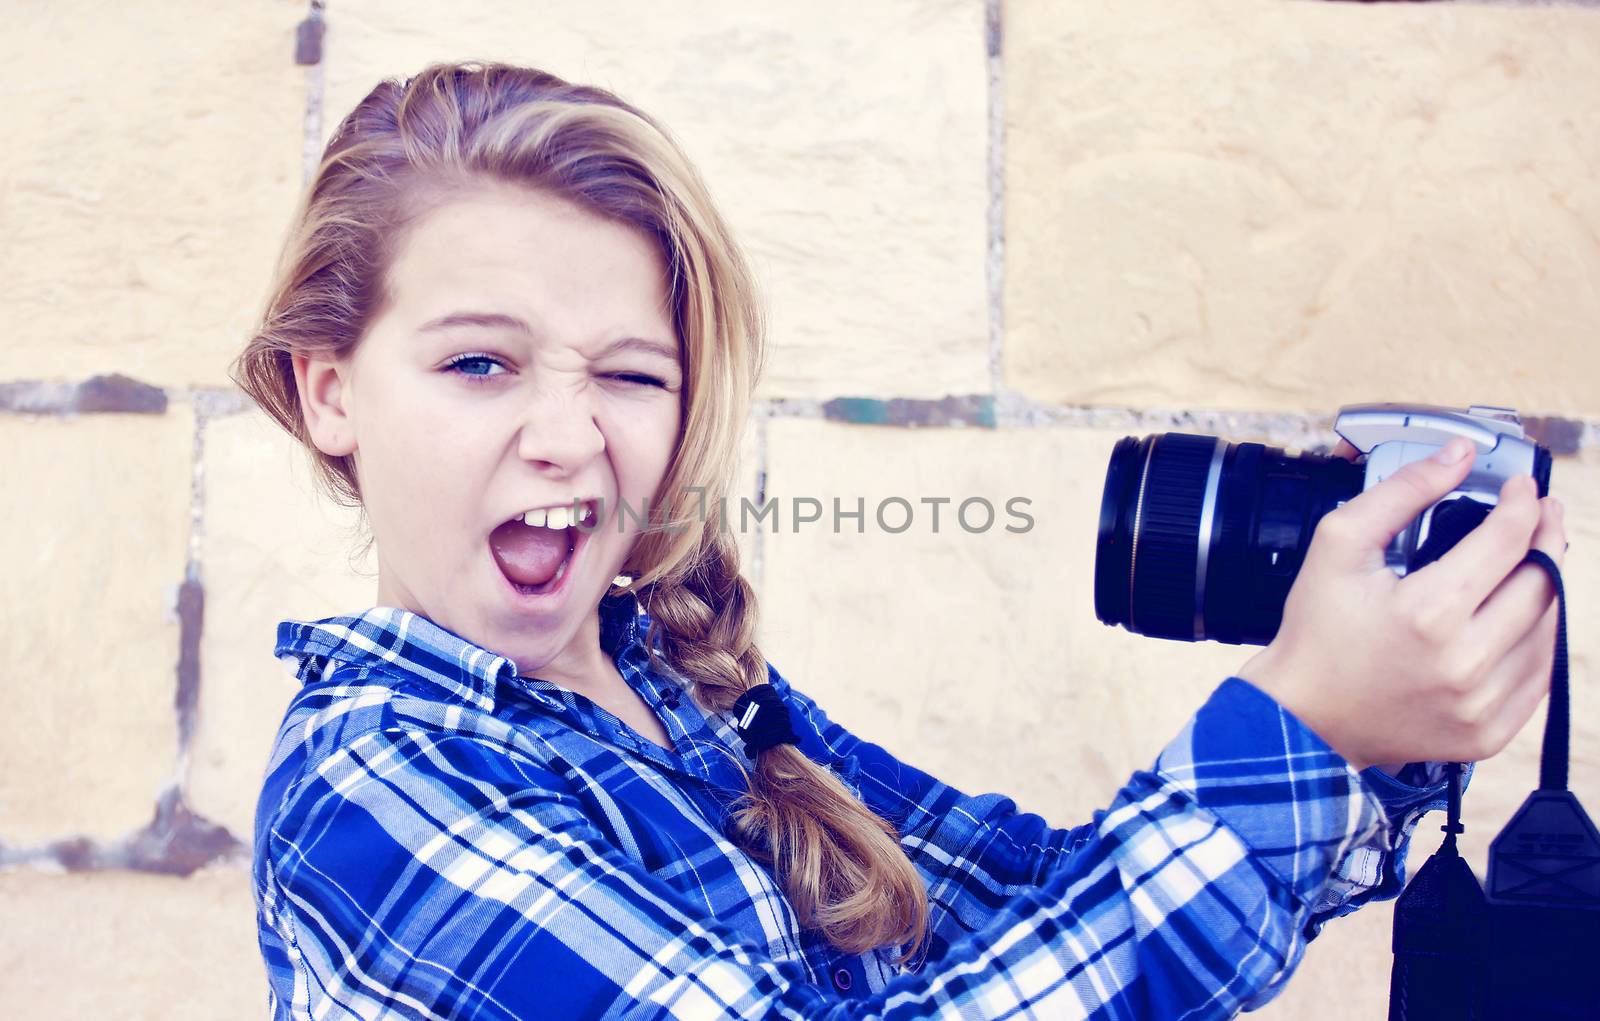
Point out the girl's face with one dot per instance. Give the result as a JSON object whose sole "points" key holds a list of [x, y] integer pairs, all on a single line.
{"points": [[457, 427]]}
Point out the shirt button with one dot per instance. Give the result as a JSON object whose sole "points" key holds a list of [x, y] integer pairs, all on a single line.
{"points": [[842, 980]]}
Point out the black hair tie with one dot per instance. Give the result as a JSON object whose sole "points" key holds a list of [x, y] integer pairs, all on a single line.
{"points": [[761, 719]]}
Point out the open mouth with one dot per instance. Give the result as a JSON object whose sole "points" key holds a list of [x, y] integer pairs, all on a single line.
{"points": [[535, 551]]}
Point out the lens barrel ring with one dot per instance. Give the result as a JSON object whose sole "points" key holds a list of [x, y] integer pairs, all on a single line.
{"points": [[1138, 520], [1173, 497]]}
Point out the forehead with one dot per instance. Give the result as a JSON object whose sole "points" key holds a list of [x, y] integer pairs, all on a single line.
{"points": [[533, 255]]}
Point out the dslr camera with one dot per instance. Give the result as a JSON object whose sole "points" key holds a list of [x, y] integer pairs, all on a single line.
{"points": [[1201, 538]]}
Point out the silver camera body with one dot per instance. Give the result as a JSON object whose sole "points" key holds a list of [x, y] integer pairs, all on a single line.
{"points": [[1391, 436]]}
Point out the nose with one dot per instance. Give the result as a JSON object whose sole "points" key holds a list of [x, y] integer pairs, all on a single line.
{"points": [[559, 432]]}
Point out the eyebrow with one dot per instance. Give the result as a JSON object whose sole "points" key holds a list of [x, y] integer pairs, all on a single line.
{"points": [[498, 319]]}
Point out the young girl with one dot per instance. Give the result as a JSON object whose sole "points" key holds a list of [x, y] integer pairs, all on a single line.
{"points": [[550, 775]]}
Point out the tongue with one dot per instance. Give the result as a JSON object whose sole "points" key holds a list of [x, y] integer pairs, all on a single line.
{"points": [[528, 556]]}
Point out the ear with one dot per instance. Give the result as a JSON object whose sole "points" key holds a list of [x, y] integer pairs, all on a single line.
{"points": [[325, 403]]}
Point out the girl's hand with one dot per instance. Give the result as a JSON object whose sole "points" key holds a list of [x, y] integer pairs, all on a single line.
{"points": [[1445, 664]]}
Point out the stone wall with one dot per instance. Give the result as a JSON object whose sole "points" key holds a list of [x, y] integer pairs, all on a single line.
{"points": [[995, 238]]}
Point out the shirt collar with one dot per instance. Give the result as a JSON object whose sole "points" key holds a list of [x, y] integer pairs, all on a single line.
{"points": [[388, 634]]}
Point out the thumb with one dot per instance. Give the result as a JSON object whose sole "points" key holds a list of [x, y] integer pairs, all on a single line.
{"points": [[1373, 518]]}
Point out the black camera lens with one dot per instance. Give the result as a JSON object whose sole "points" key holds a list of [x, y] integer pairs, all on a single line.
{"points": [[1201, 539]]}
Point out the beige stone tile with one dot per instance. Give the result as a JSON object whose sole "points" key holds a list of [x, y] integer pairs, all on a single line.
{"points": [[1289, 205], [853, 171], [978, 657], [154, 161], [974, 656], [273, 549], [131, 946], [97, 523]]}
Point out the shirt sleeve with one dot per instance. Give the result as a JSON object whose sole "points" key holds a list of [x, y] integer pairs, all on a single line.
{"points": [[427, 875], [1309, 825], [1377, 871]]}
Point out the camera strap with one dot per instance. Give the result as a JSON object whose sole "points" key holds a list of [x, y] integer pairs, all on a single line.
{"points": [[1524, 950]]}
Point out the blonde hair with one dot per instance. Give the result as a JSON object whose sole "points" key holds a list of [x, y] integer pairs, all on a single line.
{"points": [[407, 148]]}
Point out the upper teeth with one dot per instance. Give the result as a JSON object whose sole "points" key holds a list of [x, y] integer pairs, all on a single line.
{"points": [[557, 517]]}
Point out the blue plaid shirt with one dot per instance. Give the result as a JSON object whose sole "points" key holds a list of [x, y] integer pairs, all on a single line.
{"points": [[439, 837]]}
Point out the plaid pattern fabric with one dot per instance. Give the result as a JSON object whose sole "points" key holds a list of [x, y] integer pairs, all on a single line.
{"points": [[438, 837]]}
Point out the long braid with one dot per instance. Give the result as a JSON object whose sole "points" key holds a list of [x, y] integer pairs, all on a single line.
{"points": [[841, 864]]}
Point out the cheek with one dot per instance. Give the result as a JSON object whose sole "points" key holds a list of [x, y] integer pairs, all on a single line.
{"points": [[640, 446], [410, 447]]}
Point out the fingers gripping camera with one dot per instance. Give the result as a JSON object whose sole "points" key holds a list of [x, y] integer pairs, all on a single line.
{"points": [[1392, 436], [1201, 539]]}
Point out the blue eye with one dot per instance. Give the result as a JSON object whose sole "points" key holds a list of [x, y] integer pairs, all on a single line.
{"points": [[475, 362], [485, 360]]}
